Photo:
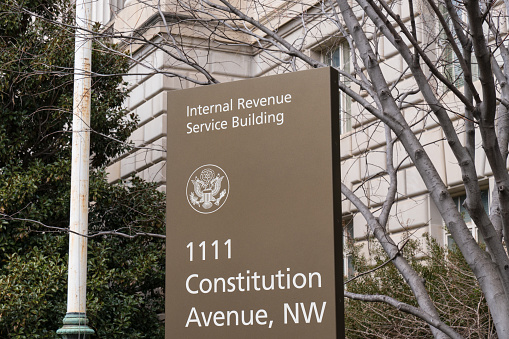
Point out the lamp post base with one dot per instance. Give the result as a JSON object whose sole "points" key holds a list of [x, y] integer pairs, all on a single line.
{"points": [[75, 326]]}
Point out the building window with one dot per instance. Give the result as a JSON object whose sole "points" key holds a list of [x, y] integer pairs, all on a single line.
{"points": [[348, 241], [452, 67], [450, 62], [116, 6], [468, 220], [339, 57]]}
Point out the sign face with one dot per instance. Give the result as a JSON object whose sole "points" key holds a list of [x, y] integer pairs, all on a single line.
{"points": [[254, 235]]}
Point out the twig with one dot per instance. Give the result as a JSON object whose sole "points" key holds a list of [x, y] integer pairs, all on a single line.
{"points": [[380, 266], [436, 323], [67, 230]]}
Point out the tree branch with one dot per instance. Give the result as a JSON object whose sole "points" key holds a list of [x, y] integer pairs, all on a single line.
{"points": [[379, 266], [4, 216], [401, 306]]}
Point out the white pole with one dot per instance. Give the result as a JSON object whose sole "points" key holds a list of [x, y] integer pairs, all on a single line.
{"points": [[75, 321]]}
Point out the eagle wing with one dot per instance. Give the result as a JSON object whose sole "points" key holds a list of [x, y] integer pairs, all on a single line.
{"points": [[216, 183], [198, 184]]}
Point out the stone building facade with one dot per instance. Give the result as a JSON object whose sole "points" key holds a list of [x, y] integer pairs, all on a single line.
{"points": [[363, 145]]}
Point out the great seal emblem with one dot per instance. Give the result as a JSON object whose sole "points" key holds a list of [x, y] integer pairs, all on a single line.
{"points": [[207, 189]]}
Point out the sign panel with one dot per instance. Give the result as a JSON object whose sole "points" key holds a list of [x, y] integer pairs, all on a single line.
{"points": [[254, 235]]}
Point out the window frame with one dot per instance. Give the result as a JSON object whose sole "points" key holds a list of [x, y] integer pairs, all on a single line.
{"points": [[458, 199], [348, 238], [451, 67], [336, 56]]}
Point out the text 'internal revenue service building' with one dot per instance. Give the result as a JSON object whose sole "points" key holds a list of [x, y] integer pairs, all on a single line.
{"points": [[254, 233]]}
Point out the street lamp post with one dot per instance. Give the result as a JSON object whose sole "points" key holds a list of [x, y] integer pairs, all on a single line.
{"points": [[75, 321]]}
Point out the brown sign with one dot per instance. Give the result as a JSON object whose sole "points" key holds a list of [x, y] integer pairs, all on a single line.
{"points": [[254, 236]]}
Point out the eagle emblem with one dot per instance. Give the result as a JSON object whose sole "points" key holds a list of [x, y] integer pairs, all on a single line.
{"points": [[207, 189]]}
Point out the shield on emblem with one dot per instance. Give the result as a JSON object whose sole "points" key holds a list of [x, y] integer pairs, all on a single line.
{"points": [[207, 197]]}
